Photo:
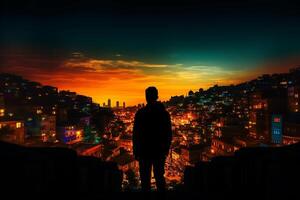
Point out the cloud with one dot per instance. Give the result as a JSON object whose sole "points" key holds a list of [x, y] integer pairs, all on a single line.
{"points": [[99, 65], [118, 79]]}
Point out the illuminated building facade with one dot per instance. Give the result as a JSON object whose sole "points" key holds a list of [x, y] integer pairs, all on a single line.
{"points": [[12, 131], [48, 128], [69, 134], [2, 106], [291, 128], [294, 98], [277, 129], [264, 104], [224, 147]]}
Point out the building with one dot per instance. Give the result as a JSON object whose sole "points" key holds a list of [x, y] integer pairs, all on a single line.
{"points": [[69, 134], [231, 138], [61, 114], [224, 146], [276, 129], [294, 98], [38, 110], [192, 154], [48, 128], [264, 105], [2, 106], [109, 103], [125, 142], [125, 161], [49, 90], [124, 106], [12, 131], [83, 103], [291, 130], [117, 104], [88, 149]]}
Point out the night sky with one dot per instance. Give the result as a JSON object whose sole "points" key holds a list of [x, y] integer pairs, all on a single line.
{"points": [[115, 49]]}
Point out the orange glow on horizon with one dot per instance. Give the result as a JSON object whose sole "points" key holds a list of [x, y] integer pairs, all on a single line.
{"points": [[130, 91], [126, 81]]}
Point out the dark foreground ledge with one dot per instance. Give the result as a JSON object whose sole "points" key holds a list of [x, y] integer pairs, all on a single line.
{"points": [[252, 173], [54, 172]]}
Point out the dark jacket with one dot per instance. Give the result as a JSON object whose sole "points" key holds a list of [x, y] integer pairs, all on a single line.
{"points": [[152, 132]]}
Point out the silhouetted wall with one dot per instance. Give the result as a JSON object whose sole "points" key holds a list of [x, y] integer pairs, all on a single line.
{"points": [[254, 173], [54, 172]]}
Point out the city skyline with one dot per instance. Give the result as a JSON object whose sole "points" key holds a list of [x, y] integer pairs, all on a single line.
{"points": [[111, 103]]}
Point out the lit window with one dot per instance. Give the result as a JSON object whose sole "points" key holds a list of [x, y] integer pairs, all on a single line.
{"points": [[2, 112], [18, 125], [78, 134]]}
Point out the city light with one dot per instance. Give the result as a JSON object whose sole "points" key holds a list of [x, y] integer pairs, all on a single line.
{"points": [[18, 125]]}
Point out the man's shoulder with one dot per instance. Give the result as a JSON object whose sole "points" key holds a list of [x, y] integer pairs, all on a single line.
{"points": [[140, 111]]}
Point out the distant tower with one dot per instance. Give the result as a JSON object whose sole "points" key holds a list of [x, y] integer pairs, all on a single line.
{"points": [[124, 106], [103, 104], [109, 103], [117, 104]]}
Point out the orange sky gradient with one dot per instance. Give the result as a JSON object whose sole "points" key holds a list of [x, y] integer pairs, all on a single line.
{"points": [[126, 80]]}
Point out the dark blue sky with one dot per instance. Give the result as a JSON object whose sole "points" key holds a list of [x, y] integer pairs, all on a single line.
{"points": [[231, 34]]}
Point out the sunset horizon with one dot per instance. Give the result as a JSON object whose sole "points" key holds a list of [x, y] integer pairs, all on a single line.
{"points": [[128, 83]]}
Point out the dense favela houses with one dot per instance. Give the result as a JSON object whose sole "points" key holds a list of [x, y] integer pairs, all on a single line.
{"points": [[36, 115], [217, 122], [206, 124], [261, 112]]}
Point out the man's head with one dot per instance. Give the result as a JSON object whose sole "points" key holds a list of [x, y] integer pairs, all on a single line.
{"points": [[151, 94]]}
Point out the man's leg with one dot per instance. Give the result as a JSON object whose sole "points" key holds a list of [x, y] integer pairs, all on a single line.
{"points": [[145, 175], [159, 171]]}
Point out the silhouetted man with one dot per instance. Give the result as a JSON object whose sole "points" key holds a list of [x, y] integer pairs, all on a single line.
{"points": [[152, 135]]}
